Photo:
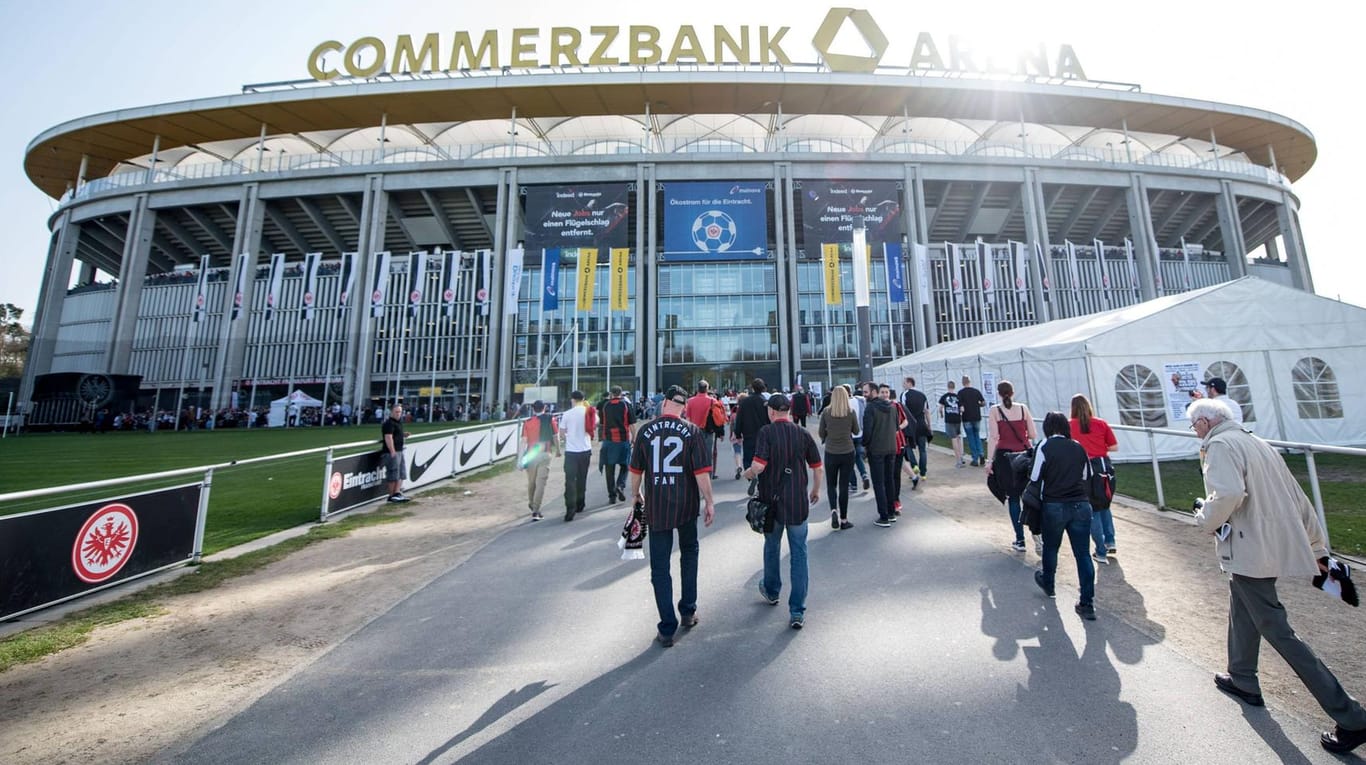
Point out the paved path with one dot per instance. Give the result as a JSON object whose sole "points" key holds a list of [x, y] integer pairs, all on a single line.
{"points": [[924, 643]]}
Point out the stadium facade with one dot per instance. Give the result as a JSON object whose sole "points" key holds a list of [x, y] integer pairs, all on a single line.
{"points": [[386, 228]]}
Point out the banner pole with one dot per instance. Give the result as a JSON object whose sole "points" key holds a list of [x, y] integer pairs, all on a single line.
{"points": [[327, 478], [202, 517]]}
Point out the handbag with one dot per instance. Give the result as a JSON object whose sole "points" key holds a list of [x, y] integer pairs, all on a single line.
{"points": [[1101, 487], [1031, 506], [762, 516]]}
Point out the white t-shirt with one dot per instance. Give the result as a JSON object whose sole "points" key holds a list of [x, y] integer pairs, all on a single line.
{"points": [[1234, 406], [572, 425]]}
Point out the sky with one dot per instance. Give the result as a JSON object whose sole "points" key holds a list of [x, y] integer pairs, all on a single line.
{"points": [[70, 59]]}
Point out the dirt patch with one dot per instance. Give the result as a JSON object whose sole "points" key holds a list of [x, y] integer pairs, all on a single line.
{"points": [[139, 687]]}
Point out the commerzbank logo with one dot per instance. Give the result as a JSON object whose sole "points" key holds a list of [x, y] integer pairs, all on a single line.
{"points": [[867, 29]]}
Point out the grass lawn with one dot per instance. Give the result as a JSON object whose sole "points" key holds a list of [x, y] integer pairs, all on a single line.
{"points": [[246, 502], [1342, 479]]}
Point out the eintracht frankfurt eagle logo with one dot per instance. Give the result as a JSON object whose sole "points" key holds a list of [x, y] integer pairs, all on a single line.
{"points": [[713, 231]]}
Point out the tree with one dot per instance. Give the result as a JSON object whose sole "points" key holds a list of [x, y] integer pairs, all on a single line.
{"points": [[14, 341]]}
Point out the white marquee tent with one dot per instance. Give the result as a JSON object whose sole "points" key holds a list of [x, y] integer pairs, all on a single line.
{"points": [[279, 408], [1292, 360]]}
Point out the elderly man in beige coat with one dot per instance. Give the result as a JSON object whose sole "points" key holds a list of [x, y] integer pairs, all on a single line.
{"points": [[1264, 528]]}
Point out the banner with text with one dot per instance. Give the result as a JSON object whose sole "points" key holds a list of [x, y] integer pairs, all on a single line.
{"points": [[830, 207], [576, 216], [354, 481], [712, 221]]}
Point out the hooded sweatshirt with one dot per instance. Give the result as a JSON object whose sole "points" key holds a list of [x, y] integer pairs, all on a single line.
{"points": [[879, 427]]}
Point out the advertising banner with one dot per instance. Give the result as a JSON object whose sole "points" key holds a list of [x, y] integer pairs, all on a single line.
{"points": [[355, 480], [830, 266], [380, 285], [922, 272], [450, 270], [309, 300], [429, 461], [588, 266], [240, 288], [201, 289], [617, 286], [576, 216], [347, 283], [830, 207], [473, 449], [712, 221], [988, 266], [896, 273], [512, 280], [48, 556], [505, 440], [417, 280], [277, 275], [550, 279]]}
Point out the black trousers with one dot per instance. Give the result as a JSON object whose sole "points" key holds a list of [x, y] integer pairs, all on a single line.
{"points": [[575, 481]]}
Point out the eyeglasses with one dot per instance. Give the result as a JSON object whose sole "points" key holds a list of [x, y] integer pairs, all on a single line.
{"points": [[1197, 419]]}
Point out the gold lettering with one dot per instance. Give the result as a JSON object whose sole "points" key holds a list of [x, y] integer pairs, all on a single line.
{"points": [[1037, 61], [1069, 68], [600, 57], [564, 42], [315, 61], [474, 59], [926, 55], [960, 55], [408, 60], [770, 48], [354, 51], [523, 45], [686, 46], [739, 52], [644, 46]]}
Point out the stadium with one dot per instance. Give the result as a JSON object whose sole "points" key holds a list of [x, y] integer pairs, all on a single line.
{"points": [[454, 219]]}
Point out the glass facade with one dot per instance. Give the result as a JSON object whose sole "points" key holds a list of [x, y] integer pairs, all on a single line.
{"points": [[718, 321]]}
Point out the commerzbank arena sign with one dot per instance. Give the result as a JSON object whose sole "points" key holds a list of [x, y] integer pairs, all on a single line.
{"points": [[638, 45]]}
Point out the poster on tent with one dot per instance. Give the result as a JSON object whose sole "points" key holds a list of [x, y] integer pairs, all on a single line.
{"points": [[1180, 379], [989, 388]]}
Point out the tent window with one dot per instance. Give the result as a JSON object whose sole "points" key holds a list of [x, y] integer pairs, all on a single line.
{"points": [[1138, 394], [1316, 390], [1238, 389]]}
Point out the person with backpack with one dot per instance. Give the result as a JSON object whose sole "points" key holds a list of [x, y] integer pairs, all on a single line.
{"points": [[1096, 437], [1010, 429], [1063, 471], [614, 416], [540, 441]]}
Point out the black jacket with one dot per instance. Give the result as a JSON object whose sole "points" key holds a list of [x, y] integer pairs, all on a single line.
{"points": [[751, 416], [879, 426]]}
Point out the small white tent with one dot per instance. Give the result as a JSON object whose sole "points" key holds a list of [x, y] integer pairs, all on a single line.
{"points": [[1288, 356], [279, 408]]}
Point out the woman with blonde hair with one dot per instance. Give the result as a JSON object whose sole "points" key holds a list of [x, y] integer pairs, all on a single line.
{"points": [[839, 426], [1096, 437], [1010, 429]]}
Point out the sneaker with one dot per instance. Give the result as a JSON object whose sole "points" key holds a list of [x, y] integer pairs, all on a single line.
{"points": [[1101, 559], [397, 498], [769, 599], [1110, 551], [882, 523], [797, 622], [1341, 740], [665, 640], [1038, 579], [1018, 545], [1085, 611], [846, 525], [867, 484], [896, 507], [688, 622], [835, 519], [1038, 544], [915, 483], [536, 516], [975, 462]]}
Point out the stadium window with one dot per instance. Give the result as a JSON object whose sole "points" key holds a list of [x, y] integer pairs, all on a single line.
{"points": [[1238, 389], [1138, 396], [1316, 390]]}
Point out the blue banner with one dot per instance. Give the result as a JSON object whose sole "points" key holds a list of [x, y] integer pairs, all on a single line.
{"points": [[550, 279], [711, 221], [896, 272]]}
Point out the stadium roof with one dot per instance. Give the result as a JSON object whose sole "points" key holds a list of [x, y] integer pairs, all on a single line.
{"points": [[53, 159]]}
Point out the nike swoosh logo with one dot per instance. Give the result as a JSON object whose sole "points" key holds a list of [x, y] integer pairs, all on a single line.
{"points": [[465, 454], [415, 472], [498, 448]]}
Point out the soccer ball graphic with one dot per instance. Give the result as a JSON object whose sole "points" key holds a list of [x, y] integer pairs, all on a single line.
{"points": [[713, 231]]}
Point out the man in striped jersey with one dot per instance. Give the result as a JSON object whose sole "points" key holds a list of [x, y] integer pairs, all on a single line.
{"points": [[670, 468], [781, 457]]}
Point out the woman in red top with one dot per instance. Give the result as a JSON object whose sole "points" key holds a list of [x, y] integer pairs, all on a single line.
{"points": [[1095, 436]]}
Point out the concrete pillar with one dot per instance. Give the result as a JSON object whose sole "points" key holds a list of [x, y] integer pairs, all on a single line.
{"points": [[789, 339], [651, 331], [232, 339], [137, 248], [87, 273], [501, 324], [1231, 227], [913, 202], [47, 317], [1287, 214], [1144, 236], [359, 354], [1036, 232], [644, 288]]}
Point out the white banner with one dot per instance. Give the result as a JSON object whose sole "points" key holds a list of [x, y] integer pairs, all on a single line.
{"points": [[277, 275], [451, 272], [1017, 251], [380, 284], [1133, 271], [310, 297], [239, 290], [1099, 248], [348, 278], [201, 289], [955, 272], [922, 272], [417, 280], [512, 280], [1073, 275], [988, 271], [1186, 263]]}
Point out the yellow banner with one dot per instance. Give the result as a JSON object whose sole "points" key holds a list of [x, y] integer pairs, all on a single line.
{"points": [[588, 265], [830, 261], [621, 257]]}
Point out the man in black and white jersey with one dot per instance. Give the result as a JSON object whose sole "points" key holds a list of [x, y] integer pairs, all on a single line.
{"points": [[670, 471]]}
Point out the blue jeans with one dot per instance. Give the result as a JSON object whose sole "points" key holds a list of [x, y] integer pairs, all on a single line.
{"points": [[973, 436], [1103, 530], [773, 579], [1075, 519], [661, 551], [1013, 505], [921, 446], [858, 464]]}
